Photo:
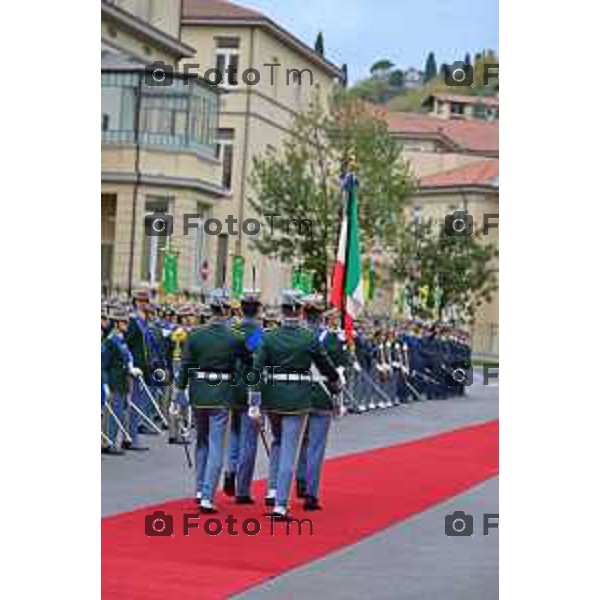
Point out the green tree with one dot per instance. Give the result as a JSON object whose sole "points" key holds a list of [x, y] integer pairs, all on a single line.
{"points": [[381, 68], [464, 267], [301, 181], [396, 78], [320, 44], [430, 67], [373, 90]]}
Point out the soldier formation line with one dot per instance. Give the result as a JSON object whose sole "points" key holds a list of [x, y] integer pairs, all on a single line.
{"points": [[236, 373]]}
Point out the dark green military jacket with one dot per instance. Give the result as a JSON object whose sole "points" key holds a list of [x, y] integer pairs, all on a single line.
{"points": [[249, 333], [115, 363], [212, 348], [137, 343], [290, 349], [320, 399]]}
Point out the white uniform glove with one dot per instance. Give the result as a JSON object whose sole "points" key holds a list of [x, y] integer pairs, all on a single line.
{"points": [[135, 372], [357, 367], [106, 390], [254, 413], [340, 371]]}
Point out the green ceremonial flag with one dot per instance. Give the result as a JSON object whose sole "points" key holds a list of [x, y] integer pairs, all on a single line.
{"points": [[237, 278], [371, 281], [170, 273], [438, 293], [296, 279], [306, 282]]}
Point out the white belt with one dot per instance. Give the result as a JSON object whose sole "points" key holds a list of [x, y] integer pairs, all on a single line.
{"points": [[298, 377], [213, 376]]}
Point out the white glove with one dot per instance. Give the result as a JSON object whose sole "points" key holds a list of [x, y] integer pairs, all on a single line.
{"points": [[340, 371], [357, 367], [135, 372], [106, 390], [380, 367], [254, 413]]}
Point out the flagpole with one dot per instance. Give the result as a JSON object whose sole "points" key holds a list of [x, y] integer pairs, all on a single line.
{"points": [[348, 169]]}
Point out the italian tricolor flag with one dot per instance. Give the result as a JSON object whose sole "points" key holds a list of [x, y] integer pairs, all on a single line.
{"points": [[347, 289]]}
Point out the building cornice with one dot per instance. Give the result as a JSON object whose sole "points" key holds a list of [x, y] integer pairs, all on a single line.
{"points": [[276, 30], [147, 32], [194, 184], [456, 189], [439, 136]]}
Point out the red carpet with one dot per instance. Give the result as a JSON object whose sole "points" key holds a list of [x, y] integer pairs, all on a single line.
{"points": [[414, 475]]}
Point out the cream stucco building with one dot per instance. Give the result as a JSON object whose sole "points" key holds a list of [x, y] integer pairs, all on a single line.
{"points": [[286, 74], [188, 147], [158, 146], [194, 150], [455, 161]]}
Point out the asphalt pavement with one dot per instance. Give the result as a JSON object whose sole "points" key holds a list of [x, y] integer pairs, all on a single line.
{"points": [[413, 559]]}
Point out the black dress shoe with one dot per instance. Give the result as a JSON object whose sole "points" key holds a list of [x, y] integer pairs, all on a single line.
{"points": [[147, 431], [244, 500], [205, 510], [300, 488], [269, 502], [128, 446], [276, 516], [113, 451], [311, 503], [176, 441], [229, 484]]}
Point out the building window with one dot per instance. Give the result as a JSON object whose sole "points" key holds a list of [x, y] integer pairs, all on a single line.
{"points": [[181, 116], [222, 254], [225, 155], [480, 111], [457, 109], [228, 59], [107, 236], [153, 251], [417, 215], [198, 261]]}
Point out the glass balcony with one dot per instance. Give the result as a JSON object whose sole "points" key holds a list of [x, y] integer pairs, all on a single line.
{"points": [[182, 116]]}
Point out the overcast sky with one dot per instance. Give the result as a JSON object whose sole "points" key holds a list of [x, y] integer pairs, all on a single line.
{"points": [[359, 32]]}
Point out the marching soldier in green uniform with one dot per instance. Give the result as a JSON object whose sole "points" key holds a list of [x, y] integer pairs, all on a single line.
{"points": [[312, 454], [243, 438], [286, 356], [208, 367]]}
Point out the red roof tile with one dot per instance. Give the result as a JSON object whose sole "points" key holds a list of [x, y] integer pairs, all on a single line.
{"points": [[480, 173], [468, 134]]}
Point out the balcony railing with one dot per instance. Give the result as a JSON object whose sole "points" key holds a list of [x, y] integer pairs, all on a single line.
{"points": [[182, 116]]}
